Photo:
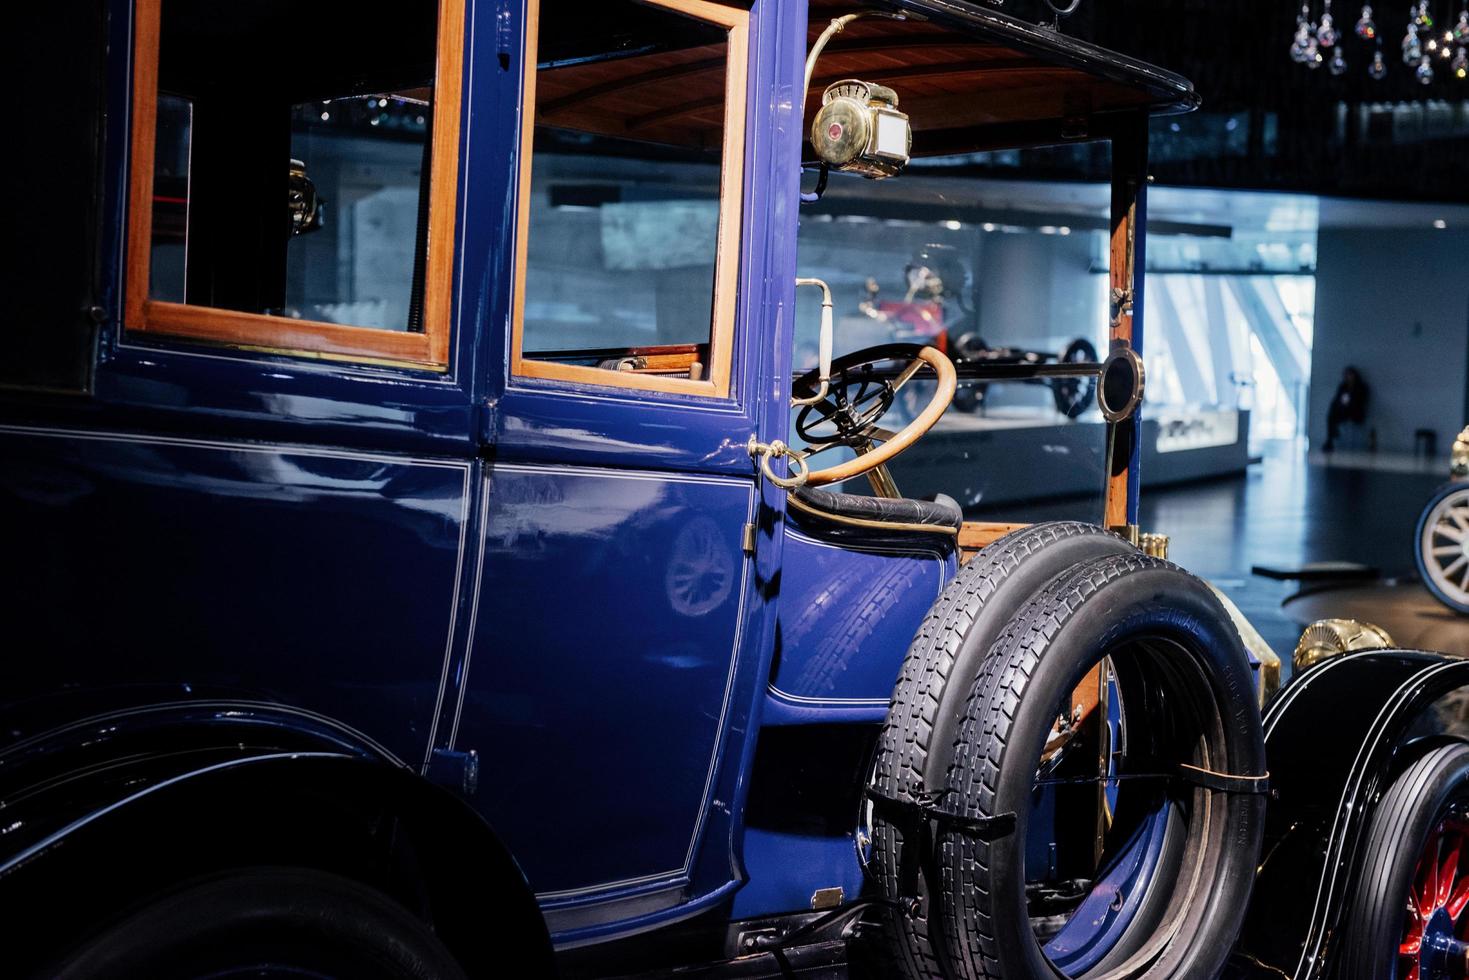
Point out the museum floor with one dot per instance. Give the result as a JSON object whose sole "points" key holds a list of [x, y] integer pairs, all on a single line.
{"points": [[1289, 511]]}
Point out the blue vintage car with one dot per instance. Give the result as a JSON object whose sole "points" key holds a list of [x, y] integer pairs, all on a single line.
{"points": [[444, 576]]}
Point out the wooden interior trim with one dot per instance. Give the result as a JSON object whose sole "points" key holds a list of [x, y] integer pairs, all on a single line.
{"points": [[631, 82], [443, 185], [904, 44], [586, 375], [981, 534], [913, 73], [947, 69], [147, 17], [1122, 278], [429, 349], [682, 361], [731, 208], [235, 328]]}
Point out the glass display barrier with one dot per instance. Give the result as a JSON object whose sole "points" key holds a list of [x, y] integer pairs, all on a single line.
{"points": [[957, 263]]}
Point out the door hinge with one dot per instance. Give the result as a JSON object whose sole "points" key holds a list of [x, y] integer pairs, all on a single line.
{"points": [[748, 539], [504, 35], [457, 771]]}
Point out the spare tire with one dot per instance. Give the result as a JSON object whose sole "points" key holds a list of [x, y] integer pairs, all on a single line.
{"points": [[928, 701], [1169, 863]]}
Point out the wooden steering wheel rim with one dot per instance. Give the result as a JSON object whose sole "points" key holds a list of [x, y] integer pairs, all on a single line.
{"points": [[909, 434]]}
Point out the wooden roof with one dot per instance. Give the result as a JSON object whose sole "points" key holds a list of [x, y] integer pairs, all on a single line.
{"points": [[672, 97], [969, 79]]}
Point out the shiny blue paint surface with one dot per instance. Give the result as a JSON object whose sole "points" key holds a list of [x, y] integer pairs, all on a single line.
{"points": [[251, 571], [785, 869], [579, 684], [548, 575], [851, 608], [1105, 915], [1443, 953]]}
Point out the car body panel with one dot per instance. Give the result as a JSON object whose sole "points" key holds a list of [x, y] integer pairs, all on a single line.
{"points": [[1335, 737], [563, 601], [300, 551], [852, 607]]}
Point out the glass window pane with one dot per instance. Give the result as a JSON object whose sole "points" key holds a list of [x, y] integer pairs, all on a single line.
{"points": [[166, 268], [624, 205], [292, 179], [995, 273]]}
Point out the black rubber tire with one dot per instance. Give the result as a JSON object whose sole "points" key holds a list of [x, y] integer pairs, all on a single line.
{"points": [[916, 743], [286, 916], [1192, 912], [1074, 396], [1396, 836]]}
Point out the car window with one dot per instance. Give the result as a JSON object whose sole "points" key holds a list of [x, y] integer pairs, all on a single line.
{"points": [[629, 194], [293, 175]]}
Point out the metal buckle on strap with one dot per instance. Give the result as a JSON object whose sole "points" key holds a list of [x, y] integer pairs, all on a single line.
{"points": [[925, 806], [923, 824]]}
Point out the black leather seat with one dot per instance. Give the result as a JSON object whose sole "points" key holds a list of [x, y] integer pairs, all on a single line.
{"points": [[941, 515]]}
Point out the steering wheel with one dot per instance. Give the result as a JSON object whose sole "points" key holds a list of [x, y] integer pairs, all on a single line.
{"points": [[857, 398]]}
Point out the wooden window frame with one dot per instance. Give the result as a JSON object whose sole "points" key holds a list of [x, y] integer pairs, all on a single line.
{"points": [[736, 22], [278, 334]]}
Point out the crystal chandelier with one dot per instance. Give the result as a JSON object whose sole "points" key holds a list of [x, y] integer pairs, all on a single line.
{"points": [[1429, 49]]}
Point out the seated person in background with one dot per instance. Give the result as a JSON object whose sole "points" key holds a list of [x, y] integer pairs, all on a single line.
{"points": [[1349, 404]]}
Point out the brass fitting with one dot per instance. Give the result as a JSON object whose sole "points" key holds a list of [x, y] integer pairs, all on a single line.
{"points": [[1459, 456], [1153, 545], [1327, 638]]}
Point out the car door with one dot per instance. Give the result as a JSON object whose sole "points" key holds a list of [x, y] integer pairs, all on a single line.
{"points": [[264, 489], [616, 608]]}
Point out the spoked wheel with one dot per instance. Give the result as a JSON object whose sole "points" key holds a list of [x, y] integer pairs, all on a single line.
{"points": [[1075, 395], [1443, 547], [1407, 919], [1435, 905]]}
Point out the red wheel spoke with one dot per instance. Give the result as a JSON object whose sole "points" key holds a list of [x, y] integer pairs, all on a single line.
{"points": [[1428, 877], [1413, 941], [1437, 884], [1448, 870], [1459, 898]]}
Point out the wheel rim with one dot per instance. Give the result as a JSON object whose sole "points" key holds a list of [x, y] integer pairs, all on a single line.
{"points": [[1444, 546], [1098, 915], [1431, 939]]}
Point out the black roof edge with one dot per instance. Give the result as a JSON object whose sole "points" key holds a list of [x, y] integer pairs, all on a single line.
{"points": [[1171, 93]]}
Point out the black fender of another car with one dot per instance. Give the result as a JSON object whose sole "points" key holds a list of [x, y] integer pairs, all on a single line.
{"points": [[1335, 738], [100, 814]]}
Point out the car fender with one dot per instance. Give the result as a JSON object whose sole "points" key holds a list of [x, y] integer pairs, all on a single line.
{"points": [[1335, 738], [101, 813]]}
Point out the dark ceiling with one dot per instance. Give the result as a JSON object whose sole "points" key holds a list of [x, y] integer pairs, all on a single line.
{"points": [[1269, 123]]}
